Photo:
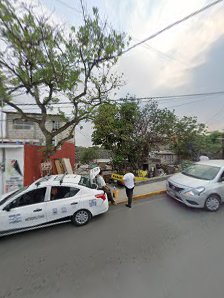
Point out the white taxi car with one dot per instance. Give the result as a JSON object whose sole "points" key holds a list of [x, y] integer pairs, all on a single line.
{"points": [[51, 200]]}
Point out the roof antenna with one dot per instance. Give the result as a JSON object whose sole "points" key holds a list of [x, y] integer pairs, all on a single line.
{"points": [[62, 178]]}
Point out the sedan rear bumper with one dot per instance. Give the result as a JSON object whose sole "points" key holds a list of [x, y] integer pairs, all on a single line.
{"points": [[103, 208]]}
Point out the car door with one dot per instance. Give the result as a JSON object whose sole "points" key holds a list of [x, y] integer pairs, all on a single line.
{"points": [[218, 187], [63, 202], [27, 210]]}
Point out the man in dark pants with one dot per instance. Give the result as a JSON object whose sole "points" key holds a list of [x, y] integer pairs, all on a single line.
{"points": [[129, 182], [102, 185]]}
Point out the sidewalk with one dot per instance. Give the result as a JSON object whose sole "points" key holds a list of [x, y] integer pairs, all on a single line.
{"points": [[143, 190]]}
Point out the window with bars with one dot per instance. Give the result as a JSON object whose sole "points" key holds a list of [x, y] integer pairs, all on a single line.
{"points": [[55, 125], [22, 124]]}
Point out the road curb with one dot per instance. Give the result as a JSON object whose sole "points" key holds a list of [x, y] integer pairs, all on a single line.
{"points": [[143, 196], [153, 180]]}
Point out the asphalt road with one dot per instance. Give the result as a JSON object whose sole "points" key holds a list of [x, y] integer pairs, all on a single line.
{"points": [[157, 249]]}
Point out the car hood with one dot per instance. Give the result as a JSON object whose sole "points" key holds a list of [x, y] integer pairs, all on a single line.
{"points": [[187, 181]]}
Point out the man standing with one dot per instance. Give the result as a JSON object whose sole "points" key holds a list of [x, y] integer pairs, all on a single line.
{"points": [[102, 185], [129, 182], [203, 157]]}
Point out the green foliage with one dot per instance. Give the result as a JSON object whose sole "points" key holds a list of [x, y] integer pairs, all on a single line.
{"points": [[52, 64], [188, 137], [3, 92], [213, 145], [130, 131], [105, 122], [89, 154]]}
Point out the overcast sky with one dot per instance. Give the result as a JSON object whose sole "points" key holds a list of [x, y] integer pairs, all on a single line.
{"points": [[186, 59]]}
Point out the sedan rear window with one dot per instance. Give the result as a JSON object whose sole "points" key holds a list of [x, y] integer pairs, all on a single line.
{"points": [[204, 172], [85, 181]]}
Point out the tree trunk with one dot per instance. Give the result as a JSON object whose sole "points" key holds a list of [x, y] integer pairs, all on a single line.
{"points": [[49, 148]]}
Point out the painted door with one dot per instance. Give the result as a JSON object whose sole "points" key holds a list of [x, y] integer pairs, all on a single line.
{"points": [[27, 210], [63, 202]]}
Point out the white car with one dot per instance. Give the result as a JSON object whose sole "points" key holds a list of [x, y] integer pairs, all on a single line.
{"points": [[201, 185], [51, 200]]}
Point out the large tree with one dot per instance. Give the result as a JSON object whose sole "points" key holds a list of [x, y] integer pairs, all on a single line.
{"points": [[55, 65], [213, 145], [89, 154], [188, 138], [132, 131]]}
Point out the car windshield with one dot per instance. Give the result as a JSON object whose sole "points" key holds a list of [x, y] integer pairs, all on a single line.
{"points": [[204, 172], [16, 192]]}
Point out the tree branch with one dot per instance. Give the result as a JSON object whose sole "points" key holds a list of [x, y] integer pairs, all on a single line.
{"points": [[67, 138], [10, 91], [23, 114]]}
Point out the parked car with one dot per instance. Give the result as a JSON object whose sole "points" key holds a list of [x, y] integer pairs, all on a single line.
{"points": [[51, 200], [200, 185]]}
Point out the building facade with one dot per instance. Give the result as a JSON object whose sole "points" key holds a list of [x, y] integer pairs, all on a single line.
{"points": [[17, 130]]}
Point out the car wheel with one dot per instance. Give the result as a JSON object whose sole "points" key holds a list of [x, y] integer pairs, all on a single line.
{"points": [[81, 217], [212, 203]]}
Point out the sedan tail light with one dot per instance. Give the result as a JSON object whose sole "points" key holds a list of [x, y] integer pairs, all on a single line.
{"points": [[101, 196]]}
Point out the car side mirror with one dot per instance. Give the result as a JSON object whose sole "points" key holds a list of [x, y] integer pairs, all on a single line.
{"points": [[7, 208]]}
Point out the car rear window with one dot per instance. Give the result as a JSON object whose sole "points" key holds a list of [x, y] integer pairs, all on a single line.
{"points": [[85, 181], [204, 172]]}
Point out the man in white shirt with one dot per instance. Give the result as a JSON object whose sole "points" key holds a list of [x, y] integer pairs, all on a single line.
{"points": [[129, 182], [102, 185], [203, 158]]}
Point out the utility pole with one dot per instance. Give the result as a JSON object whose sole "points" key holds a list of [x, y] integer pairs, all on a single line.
{"points": [[3, 152], [2, 120], [223, 145]]}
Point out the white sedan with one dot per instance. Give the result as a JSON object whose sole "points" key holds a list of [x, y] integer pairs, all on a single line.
{"points": [[201, 185], [51, 200]]}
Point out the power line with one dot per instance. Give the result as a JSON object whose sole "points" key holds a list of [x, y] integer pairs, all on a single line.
{"points": [[85, 136], [216, 114], [169, 107], [52, 104], [68, 6], [145, 40], [186, 103], [160, 31], [140, 98], [178, 96], [162, 54], [173, 25]]}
